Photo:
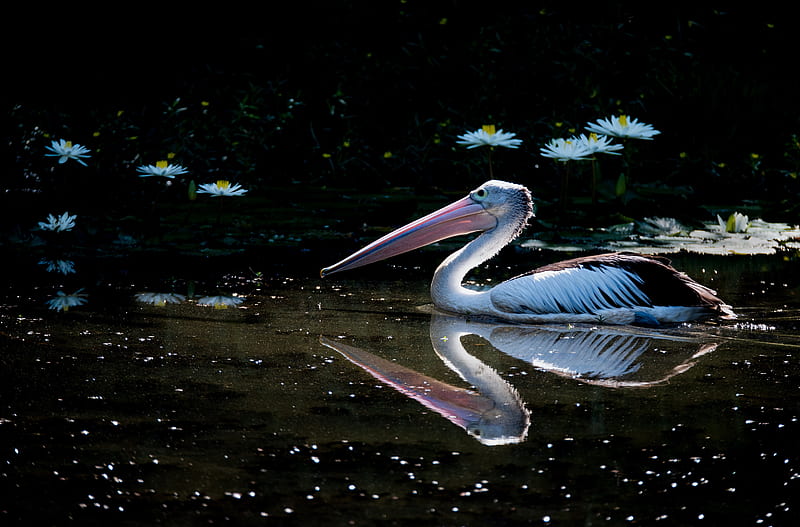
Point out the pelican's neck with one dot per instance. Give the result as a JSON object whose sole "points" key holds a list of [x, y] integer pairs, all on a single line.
{"points": [[447, 290]]}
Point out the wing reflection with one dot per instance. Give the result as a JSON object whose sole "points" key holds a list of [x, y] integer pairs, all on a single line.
{"points": [[617, 357], [493, 412]]}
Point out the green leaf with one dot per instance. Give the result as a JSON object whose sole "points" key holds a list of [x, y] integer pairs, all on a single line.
{"points": [[622, 185]]}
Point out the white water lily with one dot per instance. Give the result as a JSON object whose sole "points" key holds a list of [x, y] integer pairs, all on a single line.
{"points": [[598, 144], [566, 150], [66, 150], [160, 299], [65, 222], [63, 301], [488, 136], [163, 169], [222, 188], [622, 126], [736, 222]]}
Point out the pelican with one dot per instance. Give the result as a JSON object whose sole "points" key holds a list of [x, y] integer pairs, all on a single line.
{"points": [[613, 288]]}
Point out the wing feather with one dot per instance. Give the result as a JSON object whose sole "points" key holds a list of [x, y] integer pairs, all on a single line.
{"points": [[606, 281], [571, 290]]}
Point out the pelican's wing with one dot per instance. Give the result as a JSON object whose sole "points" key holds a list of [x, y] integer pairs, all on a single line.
{"points": [[606, 281]]}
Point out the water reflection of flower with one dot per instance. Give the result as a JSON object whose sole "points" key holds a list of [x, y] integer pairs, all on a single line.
{"points": [[65, 222], [623, 126], [63, 301], [66, 150], [58, 266], [161, 168], [160, 299], [220, 302], [736, 222]]}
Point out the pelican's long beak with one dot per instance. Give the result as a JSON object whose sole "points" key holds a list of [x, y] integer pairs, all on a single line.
{"points": [[462, 217]]}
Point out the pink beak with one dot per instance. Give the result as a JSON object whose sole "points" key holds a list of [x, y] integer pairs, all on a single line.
{"points": [[462, 217]]}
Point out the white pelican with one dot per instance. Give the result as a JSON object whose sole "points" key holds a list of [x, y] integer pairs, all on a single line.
{"points": [[614, 288]]}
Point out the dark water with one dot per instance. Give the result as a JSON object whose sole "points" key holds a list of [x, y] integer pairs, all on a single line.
{"points": [[346, 402]]}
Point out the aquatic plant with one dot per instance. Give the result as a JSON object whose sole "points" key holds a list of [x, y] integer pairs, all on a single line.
{"points": [[623, 127], [65, 222], [220, 301], [661, 226], [736, 222], [598, 144], [64, 267], [161, 168], [160, 299], [668, 235], [65, 150], [63, 301], [489, 136], [566, 150], [222, 188]]}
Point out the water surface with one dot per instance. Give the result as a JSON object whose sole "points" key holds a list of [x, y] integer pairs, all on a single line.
{"points": [[347, 401]]}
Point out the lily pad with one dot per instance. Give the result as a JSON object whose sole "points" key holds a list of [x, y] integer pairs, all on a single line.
{"points": [[667, 235]]}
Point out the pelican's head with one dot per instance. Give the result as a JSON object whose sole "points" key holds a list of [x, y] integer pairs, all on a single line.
{"points": [[486, 207], [508, 202]]}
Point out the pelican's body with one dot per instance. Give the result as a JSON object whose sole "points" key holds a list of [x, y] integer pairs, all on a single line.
{"points": [[615, 288]]}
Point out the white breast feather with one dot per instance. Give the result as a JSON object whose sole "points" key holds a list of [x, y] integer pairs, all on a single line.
{"points": [[572, 290]]}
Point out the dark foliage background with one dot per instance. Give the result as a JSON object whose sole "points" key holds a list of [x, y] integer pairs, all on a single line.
{"points": [[370, 95]]}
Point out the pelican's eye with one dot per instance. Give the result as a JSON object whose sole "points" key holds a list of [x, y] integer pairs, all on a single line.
{"points": [[480, 194]]}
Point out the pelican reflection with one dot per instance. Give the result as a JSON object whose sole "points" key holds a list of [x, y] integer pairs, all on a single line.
{"points": [[491, 409]]}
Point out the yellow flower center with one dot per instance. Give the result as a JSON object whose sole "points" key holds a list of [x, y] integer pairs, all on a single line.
{"points": [[222, 184], [623, 120], [593, 137], [489, 129], [162, 164], [68, 144]]}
